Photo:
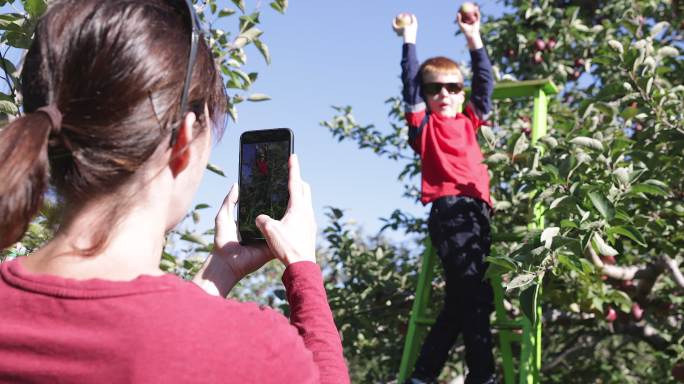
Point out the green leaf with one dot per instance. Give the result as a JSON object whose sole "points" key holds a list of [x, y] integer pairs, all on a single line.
{"points": [[35, 8], [226, 12], [201, 206], [520, 280], [279, 5], [622, 299], [497, 158], [215, 169], [263, 49], [520, 145], [629, 232], [602, 247], [547, 236], [488, 134], [565, 223], [602, 204], [648, 189], [193, 238], [240, 4], [258, 97], [8, 107], [505, 262], [659, 27], [587, 142]]}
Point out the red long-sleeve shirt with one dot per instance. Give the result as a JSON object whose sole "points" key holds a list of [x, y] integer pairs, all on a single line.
{"points": [[162, 330]]}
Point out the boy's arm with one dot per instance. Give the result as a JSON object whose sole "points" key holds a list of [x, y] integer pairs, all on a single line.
{"points": [[483, 79], [414, 106]]}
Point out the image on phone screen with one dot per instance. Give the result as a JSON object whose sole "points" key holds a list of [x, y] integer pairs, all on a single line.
{"points": [[263, 184]]}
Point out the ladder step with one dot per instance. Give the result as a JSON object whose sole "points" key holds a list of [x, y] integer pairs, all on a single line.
{"points": [[425, 321], [507, 325]]}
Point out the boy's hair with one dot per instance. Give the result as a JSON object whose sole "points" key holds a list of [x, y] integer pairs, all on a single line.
{"points": [[439, 64]]}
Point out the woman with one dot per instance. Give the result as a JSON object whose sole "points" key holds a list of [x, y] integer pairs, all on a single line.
{"points": [[120, 99]]}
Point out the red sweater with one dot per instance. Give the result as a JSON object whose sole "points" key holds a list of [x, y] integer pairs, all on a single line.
{"points": [[162, 330], [451, 159]]}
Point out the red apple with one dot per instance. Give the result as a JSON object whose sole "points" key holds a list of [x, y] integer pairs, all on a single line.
{"points": [[510, 52], [637, 312], [579, 63], [551, 44], [468, 13], [611, 315], [539, 44], [537, 58]]}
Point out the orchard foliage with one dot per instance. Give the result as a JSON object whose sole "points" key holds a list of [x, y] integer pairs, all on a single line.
{"points": [[608, 176]]}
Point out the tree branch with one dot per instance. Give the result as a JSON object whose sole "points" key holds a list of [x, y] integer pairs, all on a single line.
{"points": [[646, 333], [646, 273], [673, 266]]}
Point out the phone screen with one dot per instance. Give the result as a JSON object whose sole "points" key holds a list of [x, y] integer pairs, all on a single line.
{"points": [[264, 175]]}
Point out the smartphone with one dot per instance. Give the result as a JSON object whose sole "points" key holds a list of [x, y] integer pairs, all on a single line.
{"points": [[263, 179]]}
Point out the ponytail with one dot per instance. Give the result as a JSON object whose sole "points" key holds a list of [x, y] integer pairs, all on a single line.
{"points": [[24, 172]]}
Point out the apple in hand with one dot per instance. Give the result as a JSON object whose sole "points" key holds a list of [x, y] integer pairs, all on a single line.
{"points": [[468, 13], [401, 21]]}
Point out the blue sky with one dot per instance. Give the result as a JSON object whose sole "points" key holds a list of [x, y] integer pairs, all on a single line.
{"points": [[335, 53]]}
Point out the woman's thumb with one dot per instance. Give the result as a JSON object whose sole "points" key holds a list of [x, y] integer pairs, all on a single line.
{"points": [[266, 225]]}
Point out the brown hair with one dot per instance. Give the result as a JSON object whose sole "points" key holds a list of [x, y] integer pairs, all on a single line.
{"points": [[439, 64], [115, 71]]}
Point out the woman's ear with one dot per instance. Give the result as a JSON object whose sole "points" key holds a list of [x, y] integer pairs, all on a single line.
{"points": [[180, 150]]}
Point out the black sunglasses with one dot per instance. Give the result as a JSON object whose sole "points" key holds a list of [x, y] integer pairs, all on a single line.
{"points": [[435, 88], [194, 41]]}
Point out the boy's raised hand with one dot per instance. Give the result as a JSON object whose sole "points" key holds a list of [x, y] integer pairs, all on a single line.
{"points": [[406, 25], [468, 18]]}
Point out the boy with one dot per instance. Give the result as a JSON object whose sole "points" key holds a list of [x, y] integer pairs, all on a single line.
{"points": [[456, 182]]}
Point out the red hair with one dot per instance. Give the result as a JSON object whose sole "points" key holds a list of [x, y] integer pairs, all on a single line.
{"points": [[439, 64]]}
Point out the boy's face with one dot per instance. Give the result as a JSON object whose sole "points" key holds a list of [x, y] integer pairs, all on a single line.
{"points": [[443, 92]]}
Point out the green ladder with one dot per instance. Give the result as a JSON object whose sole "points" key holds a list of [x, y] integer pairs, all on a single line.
{"points": [[524, 330]]}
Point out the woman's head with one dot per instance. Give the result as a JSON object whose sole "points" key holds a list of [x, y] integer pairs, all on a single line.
{"points": [[115, 71]]}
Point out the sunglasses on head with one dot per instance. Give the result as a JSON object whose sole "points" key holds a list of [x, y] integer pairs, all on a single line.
{"points": [[435, 88], [194, 41]]}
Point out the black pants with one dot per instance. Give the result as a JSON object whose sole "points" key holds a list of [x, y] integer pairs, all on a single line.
{"points": [[460, 232]]}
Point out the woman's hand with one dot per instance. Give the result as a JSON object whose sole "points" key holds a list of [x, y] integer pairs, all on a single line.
{"points": [[293, 238], [230, 261], [290, 240]]}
